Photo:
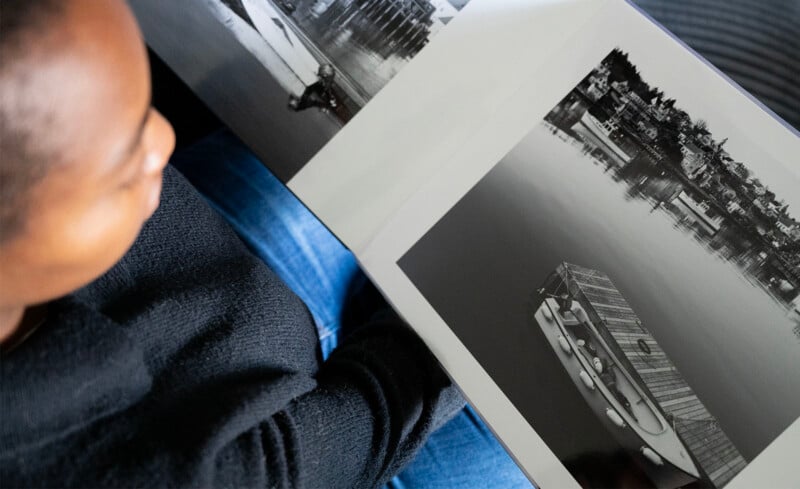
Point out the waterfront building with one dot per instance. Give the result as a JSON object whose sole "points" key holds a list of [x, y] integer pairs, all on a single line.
{"points": [[694, 160], [647, 130], [598, 87], [637, 101], [620, 86], [660, 111], [699, 212], [787, 226], [733, 207], [633, 108], [705, 139], [737, 169]]}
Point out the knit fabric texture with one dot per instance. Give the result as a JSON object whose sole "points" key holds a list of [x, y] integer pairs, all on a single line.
{"points": [[191, 364]]}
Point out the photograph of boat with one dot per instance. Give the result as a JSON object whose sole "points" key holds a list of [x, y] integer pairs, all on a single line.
{"points": [[599, 133], [629, 280], [617, 399], [611, 358]]}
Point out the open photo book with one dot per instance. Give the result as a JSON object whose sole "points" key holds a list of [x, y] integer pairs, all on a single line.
{"points": [[595, 231]]}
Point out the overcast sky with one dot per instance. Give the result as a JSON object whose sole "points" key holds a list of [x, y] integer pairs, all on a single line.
{"points": [[783, 178]]}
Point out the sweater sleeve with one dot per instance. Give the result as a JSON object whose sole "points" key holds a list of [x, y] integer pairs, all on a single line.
{"points": [[190, 365], [364, 415], [378, 398]]}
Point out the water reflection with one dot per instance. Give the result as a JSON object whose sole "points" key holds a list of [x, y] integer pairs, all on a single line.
{"points": [[368, 41], [550, 201], [665, 193]]}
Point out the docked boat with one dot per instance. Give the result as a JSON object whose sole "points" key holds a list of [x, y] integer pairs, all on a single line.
{"points": [[621, 403], [598, 133]]}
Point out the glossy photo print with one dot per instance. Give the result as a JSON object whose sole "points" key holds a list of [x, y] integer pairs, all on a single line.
{"points": [[629, 277], [335, 55]]}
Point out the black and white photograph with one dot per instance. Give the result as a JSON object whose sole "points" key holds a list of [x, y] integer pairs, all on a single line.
{"points": [[335, 55], [630, 279]]}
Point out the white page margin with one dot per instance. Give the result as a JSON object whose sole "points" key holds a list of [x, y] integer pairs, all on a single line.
{"points": [[360, 178], [618, 26]]}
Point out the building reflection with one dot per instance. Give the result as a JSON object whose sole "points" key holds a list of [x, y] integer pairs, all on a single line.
{"points": [[367, 41], [606, 121]]}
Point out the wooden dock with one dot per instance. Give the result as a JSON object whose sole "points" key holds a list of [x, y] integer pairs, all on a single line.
{"points": [[615, 319]]}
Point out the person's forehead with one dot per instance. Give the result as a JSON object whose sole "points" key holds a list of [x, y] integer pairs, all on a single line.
{"points": [[96, 82], [104, 35]]}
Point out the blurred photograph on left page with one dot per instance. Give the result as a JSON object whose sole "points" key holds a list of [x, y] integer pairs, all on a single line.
{"points": [[333, 56]]}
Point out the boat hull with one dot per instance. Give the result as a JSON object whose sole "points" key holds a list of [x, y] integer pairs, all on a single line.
{"points": [[666, 468], [590, 130]]}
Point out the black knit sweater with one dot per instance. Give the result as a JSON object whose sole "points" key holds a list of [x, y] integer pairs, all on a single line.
{"points": [[191, 364]]}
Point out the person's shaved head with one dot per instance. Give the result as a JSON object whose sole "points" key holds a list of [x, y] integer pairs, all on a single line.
{"points": [[29, 35], [81, 150]]}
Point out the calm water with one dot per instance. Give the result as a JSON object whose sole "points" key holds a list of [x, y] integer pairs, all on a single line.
{"points": [[547, 202]]}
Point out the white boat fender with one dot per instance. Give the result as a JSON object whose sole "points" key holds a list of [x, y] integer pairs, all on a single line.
{"points": [[564, 344], [652, 455], [615, 417], [587, 379], [580, 314], [598, 365], [547, 313]]}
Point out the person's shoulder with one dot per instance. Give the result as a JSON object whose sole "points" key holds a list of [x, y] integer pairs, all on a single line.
{"points": [[187, 275], [184, 231], [186, 249]]}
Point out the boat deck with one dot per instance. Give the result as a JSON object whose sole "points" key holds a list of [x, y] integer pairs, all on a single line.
{"points": [[617, 381], [608, 386], [697, 427]]}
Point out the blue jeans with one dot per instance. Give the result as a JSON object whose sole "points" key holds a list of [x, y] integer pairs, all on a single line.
{"points": [[463, 454]]}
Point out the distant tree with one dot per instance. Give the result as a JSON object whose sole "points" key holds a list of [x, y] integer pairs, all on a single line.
{"points": [[603, 108], [671, 147], [700, 127], [621, 69], [655, 96], [681, 118], [792, 247]]}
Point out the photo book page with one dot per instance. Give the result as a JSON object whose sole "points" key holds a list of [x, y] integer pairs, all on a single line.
{"points": [[431, 108], [328, 59], [610, 269], [287, 75], [595, 231]]}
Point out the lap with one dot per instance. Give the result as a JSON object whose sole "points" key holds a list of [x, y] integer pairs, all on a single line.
{"points": [[462, 454], [275, 225]]}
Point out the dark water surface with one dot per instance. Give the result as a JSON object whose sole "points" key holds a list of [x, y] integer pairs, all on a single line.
{"points": [[547, 202]]}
